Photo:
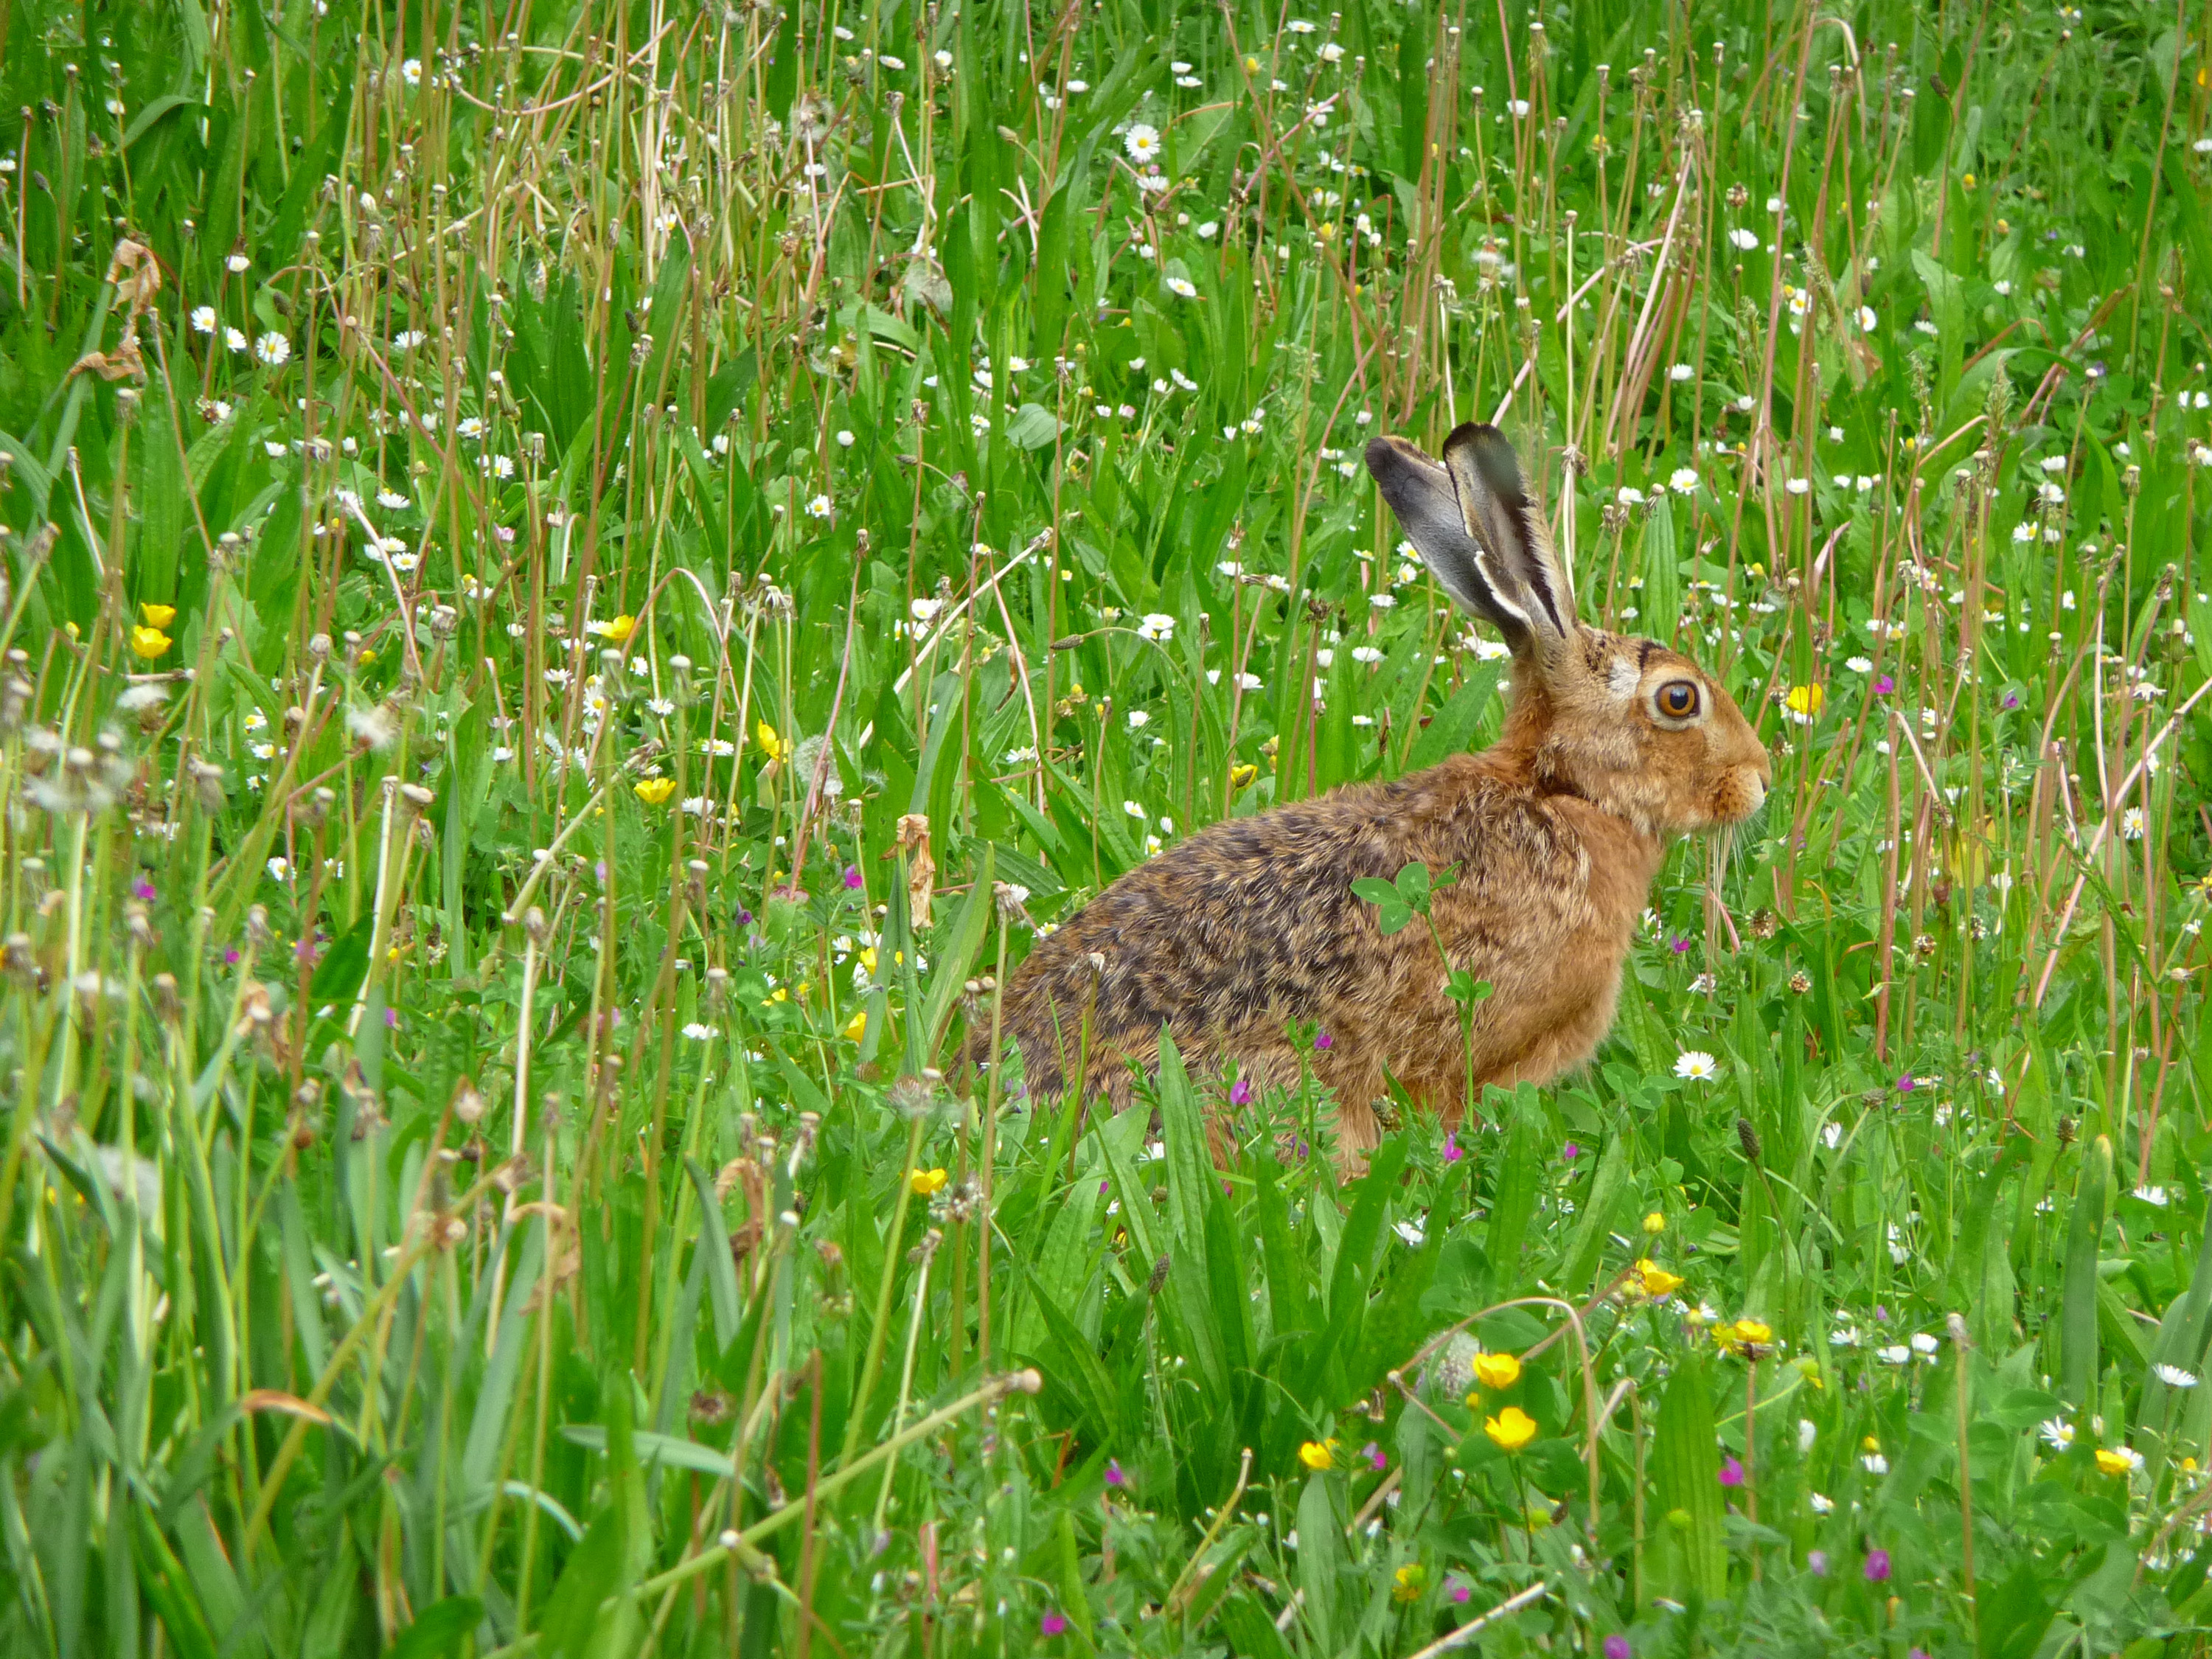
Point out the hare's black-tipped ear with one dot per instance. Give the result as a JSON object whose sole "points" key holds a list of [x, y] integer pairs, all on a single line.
{"points": [[1421, 493], [1485, 477]]}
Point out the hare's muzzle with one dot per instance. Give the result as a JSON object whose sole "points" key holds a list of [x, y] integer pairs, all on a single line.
{"points": [[1743, 789]]}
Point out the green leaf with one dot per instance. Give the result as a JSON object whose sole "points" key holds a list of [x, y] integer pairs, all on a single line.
{"points": [[957, 957], [1033, 427], [721, 1266], [1320, 1557], [2077, 1317], [439, 1630], [1688, 1557]]}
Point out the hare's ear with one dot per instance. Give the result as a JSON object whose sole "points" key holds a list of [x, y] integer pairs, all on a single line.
{"points": [[1422, 494], [1486, 478]]}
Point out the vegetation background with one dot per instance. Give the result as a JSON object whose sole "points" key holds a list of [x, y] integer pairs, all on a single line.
{"points": [[581, 582]]}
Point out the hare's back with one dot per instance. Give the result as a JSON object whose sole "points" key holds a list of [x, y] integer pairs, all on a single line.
{"points": [[1248, 922]]}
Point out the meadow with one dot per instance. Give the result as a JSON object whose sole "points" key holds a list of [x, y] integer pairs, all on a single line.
{"points": [[582, 582]]}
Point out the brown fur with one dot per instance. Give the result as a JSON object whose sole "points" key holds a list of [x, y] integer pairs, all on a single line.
{"points": [[1556, 831]]}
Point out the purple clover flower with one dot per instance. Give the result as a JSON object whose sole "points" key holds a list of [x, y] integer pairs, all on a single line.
{"points": [[1877, 1567], [1616, 1646]]}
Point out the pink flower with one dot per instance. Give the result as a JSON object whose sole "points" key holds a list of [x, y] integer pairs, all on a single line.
{"points": [[1055, 1624], [1817, 1563], [1877, 1567], [1114, 1477], [1374, 1458], [1452, 1150], [1883, 685], [1616, 1646], [1571, 1152], [853, 878], [1731, 1472], [1240, 1092], [1322, 1040]]}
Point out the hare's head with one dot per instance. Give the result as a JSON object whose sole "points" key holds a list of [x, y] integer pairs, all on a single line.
{"points": [[1627, 724]]}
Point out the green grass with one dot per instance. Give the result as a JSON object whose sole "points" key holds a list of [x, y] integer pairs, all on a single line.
{"points": [[481, 1018]]}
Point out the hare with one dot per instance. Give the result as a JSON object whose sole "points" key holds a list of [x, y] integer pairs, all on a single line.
{"points": [[1612, 747]]}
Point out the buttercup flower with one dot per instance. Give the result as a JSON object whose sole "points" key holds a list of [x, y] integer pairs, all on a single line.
{"points": [[655, 791], [157, 616], [1657, 1282], [1497, 1370], [1510, 1429], [149, 642], [926, 1181], [1317, 1454]]}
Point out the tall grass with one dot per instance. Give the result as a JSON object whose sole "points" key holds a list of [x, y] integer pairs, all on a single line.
{"points": [[581, 583]]}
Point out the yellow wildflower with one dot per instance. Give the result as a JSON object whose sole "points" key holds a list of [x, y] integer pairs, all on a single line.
{"points": [[1497, 1370], [1657, 1281], [1317, 1454], [926, 1181], [1510, 1429], [771, 745], [655, 791], [1241, 775], [1410, 1581], [857, 1027], [157, 616], [1654, 1223], [149, 642], [1750, 1330], [1805, 700], [868, 958], [2122, 1461], [620, 629]]}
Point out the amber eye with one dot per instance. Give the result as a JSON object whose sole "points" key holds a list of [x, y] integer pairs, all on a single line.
{"points": [[1678, 700]]}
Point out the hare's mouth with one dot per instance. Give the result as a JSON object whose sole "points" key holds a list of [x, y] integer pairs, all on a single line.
{"points": [[1741, 794]]}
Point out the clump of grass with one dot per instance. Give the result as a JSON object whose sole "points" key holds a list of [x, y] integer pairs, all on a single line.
{"points": [[577, 591]]}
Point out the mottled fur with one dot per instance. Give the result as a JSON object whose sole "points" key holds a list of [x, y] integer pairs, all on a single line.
{"points": [[1555, 830]]}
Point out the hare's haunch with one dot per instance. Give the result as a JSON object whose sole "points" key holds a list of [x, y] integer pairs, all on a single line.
{"points": [[1612, 747]]}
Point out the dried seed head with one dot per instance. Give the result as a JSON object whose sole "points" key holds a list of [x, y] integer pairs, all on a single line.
{"points": [[1749, 1138], [910, 1097]]}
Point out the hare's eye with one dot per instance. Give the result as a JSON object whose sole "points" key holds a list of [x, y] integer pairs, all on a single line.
{"points": [[1678, 700]]}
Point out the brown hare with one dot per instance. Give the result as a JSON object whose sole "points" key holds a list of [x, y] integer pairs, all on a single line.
{"points": [[1612, 747]]}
